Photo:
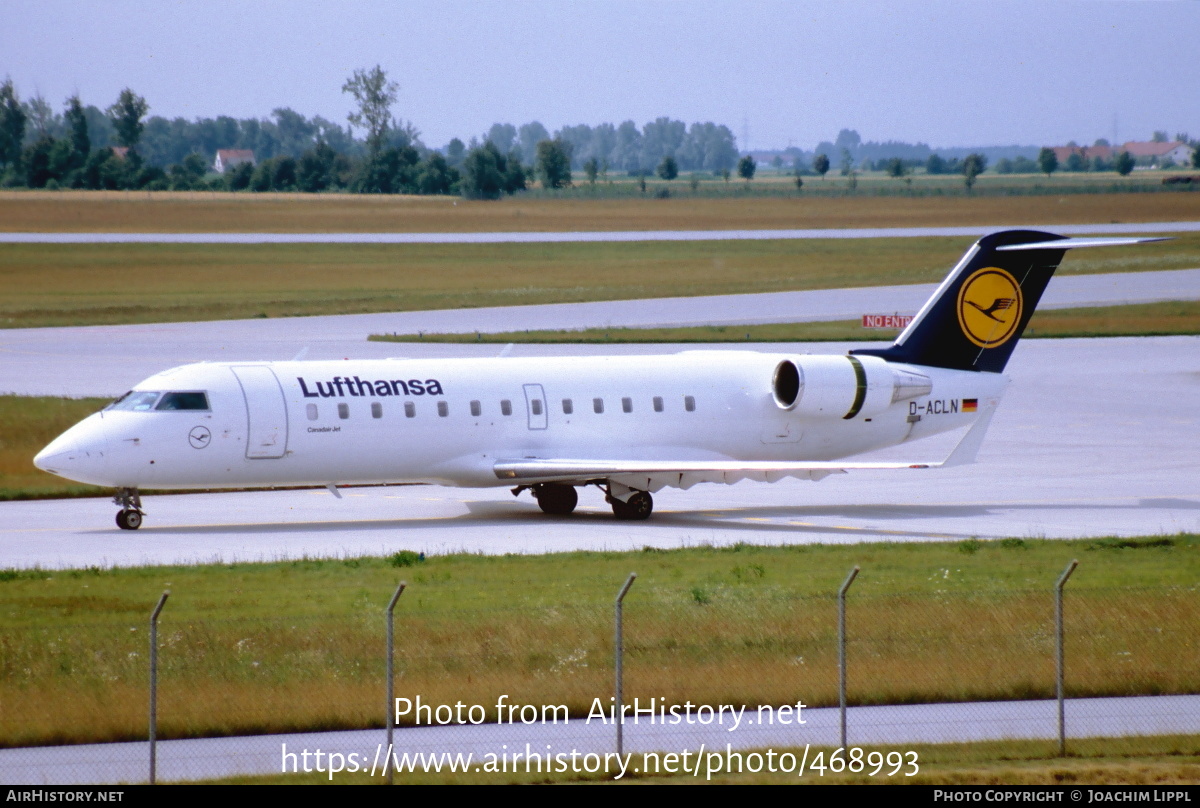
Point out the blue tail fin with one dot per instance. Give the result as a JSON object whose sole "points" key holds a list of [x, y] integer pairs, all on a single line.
{"points": [[974, 319]]}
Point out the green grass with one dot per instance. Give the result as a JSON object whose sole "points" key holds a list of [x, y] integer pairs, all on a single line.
{"points": [[76, 284], [1138, 320], [1134, 760], [290, 646]]}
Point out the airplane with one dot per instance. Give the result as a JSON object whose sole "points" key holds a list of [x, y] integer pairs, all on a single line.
{"points": [[628, 425]]}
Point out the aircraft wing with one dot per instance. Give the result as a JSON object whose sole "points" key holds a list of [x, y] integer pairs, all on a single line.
{"points": [[653, 475]]}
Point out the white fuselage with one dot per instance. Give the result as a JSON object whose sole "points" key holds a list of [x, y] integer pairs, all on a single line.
{"points": [[449, 421]]}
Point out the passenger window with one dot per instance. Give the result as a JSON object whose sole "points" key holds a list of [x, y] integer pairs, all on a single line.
{"points": [[506, 407], [658, 404], [376, 409], [568, 407], [476, 409], [443, 409], [183, 401], [536, 406], [627, 405], [312, 412], [343, 411], [598, 405], [410, 410], [689, 403]]}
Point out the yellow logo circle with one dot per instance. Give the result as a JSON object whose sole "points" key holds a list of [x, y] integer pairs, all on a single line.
{"points": [[989, 307]]}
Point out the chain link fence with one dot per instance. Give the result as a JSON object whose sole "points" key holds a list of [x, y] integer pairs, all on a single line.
{"points": [[742, 668]]}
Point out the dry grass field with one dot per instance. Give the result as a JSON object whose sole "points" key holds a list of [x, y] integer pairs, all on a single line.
{"points": [[170, 212]]}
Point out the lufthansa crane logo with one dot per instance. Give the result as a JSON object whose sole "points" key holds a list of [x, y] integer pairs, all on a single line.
{"points": [[989, 307], [199, 437]]}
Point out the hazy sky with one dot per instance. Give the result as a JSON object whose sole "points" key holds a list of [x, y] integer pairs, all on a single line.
{"points": [[948, 74]]}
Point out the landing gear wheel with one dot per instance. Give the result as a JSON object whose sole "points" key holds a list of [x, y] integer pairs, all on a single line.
{"points": [[129, 519], [638, 507], [555, 499]]}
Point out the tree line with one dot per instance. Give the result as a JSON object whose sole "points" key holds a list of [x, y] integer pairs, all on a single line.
{"points": [[41, 147]]}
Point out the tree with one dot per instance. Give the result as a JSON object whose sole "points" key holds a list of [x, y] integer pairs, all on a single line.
{"points": [[435, 176], [847, 162], [1047, 161], [456, 152], [188, 174], [1075, 162], [973, 166], [237, 178], [895, 167], [126, 116], [1159, 137], [935, 165], [821, 165], [374, 95], [592, 170], [746, 168], [503, 136], [81, 144], [12, 125], [668, 169], [487, 173], [41, 116], [530, 135], [1123, 163], [1196, 157], [554, 163]]}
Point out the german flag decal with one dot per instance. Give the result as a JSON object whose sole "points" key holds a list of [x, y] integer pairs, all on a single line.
{"points": [[970, 405]]}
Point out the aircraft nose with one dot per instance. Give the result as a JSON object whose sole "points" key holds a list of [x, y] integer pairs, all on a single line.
{"points": [[80, 453]]}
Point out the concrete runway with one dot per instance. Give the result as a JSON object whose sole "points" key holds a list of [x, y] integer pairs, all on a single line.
{"points": [[545, 237], [1094, 438], [108, 360], [874, 729]]}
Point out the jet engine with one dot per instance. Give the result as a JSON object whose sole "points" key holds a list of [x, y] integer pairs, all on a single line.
{"points": [[844, 386]]}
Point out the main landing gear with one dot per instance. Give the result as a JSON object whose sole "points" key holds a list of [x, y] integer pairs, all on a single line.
{"points": [[555, 498], [130, 515], [560, 499], [636, 508]]}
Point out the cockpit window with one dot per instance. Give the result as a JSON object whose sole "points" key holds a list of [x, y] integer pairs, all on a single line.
{"points": [[183, 401], [136, 400]]}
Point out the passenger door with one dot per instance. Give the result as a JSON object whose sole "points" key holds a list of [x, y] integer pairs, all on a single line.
{"points": [[266, 412]]}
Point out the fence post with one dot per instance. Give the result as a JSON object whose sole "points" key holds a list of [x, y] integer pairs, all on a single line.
{"points": [[842, 652], [620, 652], [1060, 675], [154, 685], [391, 701]]}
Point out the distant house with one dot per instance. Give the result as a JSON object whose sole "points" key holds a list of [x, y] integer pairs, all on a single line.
{"points": [[228, 158], [1086, 152], [1155, 152]]}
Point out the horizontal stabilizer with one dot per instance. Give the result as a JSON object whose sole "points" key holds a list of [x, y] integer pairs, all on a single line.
{"points": [[1075, 243]]}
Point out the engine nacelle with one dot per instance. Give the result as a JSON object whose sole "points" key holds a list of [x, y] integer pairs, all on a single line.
{"points": [[844, 386]]}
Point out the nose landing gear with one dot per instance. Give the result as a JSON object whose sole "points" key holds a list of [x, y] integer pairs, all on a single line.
{"points": [[131, 513]]}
